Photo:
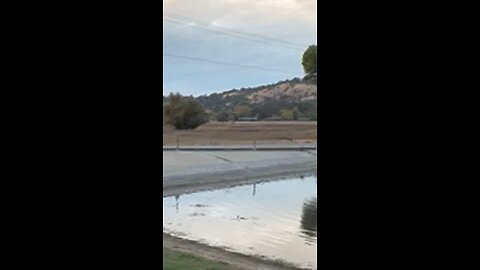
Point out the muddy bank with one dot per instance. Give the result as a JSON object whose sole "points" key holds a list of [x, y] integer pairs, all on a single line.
{"points": [[185, 172], [237, 260]]}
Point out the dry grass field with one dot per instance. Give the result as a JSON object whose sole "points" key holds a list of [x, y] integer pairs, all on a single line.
{"points": [[228, 133]]}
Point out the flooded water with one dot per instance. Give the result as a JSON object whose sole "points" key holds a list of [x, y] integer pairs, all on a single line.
{"points": [[277, 219]]}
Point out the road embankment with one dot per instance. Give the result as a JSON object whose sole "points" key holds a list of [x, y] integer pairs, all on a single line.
{"points": [[190, 171]]}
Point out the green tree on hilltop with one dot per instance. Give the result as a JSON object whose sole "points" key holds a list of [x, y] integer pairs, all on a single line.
{"points": [[309, 60], [309, 63]]}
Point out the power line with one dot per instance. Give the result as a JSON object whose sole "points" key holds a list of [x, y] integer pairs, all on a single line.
{"points": [[234, 35], [189, 19], [228, 64], [254, 38], [179, 19]]}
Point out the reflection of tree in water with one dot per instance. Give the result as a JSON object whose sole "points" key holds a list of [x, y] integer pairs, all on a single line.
{"points": [[176, 202], [309, 218]]}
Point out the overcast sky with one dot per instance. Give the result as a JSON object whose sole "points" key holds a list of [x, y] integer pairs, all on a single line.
{"points": [[202, 30]]}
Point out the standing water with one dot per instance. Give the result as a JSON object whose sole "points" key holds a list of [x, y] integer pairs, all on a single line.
{"points": [[277, 220]]}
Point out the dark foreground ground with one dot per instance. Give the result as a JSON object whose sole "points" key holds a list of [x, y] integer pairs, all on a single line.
{"points": [[176, 260]]}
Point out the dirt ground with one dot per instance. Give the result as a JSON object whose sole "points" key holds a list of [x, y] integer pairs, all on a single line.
{"points": [[228, 133]]}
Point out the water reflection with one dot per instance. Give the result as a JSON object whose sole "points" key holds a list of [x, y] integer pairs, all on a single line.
{"points": [[308, 222], [176, 202], [274, 219]]}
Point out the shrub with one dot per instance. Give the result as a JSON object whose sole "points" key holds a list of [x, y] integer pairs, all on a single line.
{"points": [[184, 113]]}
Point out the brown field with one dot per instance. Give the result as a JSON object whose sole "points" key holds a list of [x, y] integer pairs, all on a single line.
{"points": [[228, 133]]}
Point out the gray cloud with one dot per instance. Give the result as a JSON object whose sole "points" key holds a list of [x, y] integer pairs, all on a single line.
{"points": [[277, 18]]}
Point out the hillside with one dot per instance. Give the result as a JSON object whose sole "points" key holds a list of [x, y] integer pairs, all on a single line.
{"points": [[266, 101]]}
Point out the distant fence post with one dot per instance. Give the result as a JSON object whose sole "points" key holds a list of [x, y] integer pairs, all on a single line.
{"points": [[177, 143], [254, 144]]}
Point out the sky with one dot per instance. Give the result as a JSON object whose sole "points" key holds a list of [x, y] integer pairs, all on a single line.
{"points": [[204, 41]]}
